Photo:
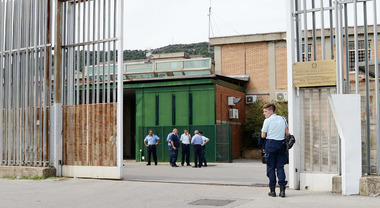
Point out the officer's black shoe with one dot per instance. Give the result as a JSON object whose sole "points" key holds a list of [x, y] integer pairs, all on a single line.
{"points": [[195, 166], [147, 164], [282, 191], [182, 164], [272, 192]]}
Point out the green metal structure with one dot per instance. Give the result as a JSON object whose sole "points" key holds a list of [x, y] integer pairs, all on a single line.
{"points": [[181, 103]]}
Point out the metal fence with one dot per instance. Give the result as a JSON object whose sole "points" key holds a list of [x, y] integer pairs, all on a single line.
{"points": [[89, 47], [25, 80], [341, 30], [218, 149]]}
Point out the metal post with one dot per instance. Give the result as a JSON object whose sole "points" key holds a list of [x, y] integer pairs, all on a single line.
{"points": [[346, 47], [331, 30], [57, 111], [323, 30], [314, 31], [2, 30], [357, 90], [337, 36], [88, 54], [109, 54], [114, 55], [376, 45], [294, 154], [306, 45], [120, 26], [368, 130], [104, 53], [98, 58]]}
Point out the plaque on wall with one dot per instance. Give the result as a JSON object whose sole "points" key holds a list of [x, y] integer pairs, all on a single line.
{"points": [[314, 73]]}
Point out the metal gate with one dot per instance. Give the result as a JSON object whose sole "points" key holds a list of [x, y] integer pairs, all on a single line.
{"points": [[319, 135], [92, 93], [25, 80], [325, 30], [73, 87]]}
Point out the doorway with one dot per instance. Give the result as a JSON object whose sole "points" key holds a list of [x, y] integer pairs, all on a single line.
{"points": [[129, 124]]}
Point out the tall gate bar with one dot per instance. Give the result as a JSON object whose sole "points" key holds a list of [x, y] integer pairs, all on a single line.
{"points": [[326, 27]]}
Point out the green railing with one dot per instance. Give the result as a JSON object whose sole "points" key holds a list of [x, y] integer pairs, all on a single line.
{"points": [[218, 149]]}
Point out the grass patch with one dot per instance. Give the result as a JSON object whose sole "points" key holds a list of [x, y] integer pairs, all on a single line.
{"points": [[9, 177], [36, 178]]}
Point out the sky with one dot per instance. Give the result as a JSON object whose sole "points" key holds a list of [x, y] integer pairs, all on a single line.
{"points": [[151, 24]]}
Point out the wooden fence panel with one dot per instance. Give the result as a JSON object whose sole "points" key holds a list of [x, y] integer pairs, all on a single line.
{"points": [[89, 133]]}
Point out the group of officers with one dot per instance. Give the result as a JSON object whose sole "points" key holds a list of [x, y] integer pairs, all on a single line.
{"points": [[175, 143], [274, 131]]}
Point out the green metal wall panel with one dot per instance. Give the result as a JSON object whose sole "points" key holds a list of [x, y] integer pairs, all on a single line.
{"points": [[203, 113], [203, 105], [182, 108], [149, 106], [165, 115]]}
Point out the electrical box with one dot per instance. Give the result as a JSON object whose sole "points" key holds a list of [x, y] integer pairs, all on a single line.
{"points": [[249, 99], [231, 101], [234, 114], [282, 97]]}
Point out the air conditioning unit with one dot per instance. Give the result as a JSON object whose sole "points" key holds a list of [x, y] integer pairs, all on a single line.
{"points": [[234, 114], [249, 99], [281, 96]]}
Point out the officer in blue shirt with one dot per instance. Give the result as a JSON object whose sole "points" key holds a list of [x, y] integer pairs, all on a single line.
{"points": [[185, 146], [274, 130], [203, 147], [197, 141], [174, 141], [152, 140]]}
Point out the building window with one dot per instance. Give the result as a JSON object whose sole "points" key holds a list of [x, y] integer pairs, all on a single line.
{"points": [[308, 52], [361, 52]]}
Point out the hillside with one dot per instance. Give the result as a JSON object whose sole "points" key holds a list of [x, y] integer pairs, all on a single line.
{"points": [[192, 49]]}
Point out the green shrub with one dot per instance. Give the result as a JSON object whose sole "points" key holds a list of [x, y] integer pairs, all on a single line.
{"points": [[255, 119]]}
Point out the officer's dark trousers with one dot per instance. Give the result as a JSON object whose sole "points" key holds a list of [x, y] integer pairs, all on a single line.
{"points": [[203, 156], [275, 158], [197, 155], [174, 156], [170, 154], [152, 150], [185, 153]]}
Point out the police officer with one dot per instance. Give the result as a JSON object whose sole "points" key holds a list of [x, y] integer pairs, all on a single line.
{"points": [[274, 130], [174, 141], [152, 140], [170, 147], [196, 141], [185, 146], [203, 147]]}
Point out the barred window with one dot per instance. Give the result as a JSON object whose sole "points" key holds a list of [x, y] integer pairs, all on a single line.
{"points": [[361, 52], [308, 52]]}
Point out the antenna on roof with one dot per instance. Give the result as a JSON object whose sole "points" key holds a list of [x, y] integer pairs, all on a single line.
{"points": [[209, 27]]}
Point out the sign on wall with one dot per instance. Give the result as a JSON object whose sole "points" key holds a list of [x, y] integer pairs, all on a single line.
{"points": [[314, 74]]}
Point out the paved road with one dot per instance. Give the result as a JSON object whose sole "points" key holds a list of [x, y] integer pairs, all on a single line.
{"points": [[107, 193], [240, 172]]}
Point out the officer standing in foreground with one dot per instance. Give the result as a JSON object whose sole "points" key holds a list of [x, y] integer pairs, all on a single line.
{"points": [[152, 140], [185, 146], [174, 140], [274, 130], [197, 142]]}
